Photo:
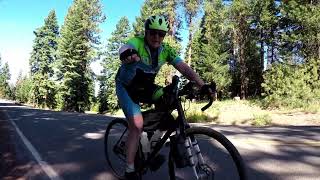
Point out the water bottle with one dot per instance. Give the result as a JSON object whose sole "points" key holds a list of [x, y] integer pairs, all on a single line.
{"points": [[145, 144]]}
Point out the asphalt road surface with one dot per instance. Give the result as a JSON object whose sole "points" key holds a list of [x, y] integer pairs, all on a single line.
{"points": [[62, 145]]}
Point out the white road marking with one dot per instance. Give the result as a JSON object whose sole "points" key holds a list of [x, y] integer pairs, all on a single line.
{"points": [[51, 173]]}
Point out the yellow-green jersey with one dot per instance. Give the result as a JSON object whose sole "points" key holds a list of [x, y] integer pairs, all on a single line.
{"points": [[150, 62]]}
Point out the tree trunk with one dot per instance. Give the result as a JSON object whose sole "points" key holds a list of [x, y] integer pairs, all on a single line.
{"points": [[260, 78], [189, 55], [243, 72], [242, 33], [318, 35], [240, 54], [190, 41]]}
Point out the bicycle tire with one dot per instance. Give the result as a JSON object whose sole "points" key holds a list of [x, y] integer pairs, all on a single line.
{"points": [[123, 126], [115, 126], [225, 144]]}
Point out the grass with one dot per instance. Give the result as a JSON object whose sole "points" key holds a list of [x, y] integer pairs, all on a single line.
{"points": [[243, 112], [288, 105], [261, 120], [312, 107], [195, 115]]}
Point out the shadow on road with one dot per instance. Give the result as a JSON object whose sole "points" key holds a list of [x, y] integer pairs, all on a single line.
{"points": [[281, 148], [72, 143]]}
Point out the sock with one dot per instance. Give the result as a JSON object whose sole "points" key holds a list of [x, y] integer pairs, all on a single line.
{"points": [[130, 168]]}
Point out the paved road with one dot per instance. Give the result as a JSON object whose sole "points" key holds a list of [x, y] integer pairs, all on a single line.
{"points": [[70, 146]]}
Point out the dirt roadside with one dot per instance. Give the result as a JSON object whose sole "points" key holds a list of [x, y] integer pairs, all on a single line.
{"points": [[244, 115]]}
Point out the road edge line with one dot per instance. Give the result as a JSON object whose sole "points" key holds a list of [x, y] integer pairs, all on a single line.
{"points": [[51, 173]]}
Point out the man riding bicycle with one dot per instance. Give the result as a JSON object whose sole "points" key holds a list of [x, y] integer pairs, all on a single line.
{"points": [[142, 58]]}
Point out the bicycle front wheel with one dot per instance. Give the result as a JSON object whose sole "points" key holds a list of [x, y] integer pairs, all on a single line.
{"points": [[217, 159], [114, 146]]}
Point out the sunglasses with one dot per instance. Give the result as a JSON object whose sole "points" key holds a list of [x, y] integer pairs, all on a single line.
{"points": [[155, 32]]}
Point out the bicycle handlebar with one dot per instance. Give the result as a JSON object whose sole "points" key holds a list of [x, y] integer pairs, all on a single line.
{"points": [[208, 105], [191, 93]]}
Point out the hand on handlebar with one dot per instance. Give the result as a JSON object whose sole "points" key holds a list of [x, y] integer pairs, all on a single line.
{"points": [[209, 89]]}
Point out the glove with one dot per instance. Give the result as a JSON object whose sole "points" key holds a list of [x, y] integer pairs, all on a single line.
{"points": [[208, 89], [127, 53]]}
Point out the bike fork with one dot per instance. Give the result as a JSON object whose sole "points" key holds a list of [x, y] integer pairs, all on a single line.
{"points": [[194, 144]]}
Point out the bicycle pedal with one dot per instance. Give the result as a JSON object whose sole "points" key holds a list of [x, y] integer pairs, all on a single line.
{"points": [[156, 162]]}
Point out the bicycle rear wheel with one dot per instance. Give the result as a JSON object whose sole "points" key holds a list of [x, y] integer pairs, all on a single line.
{"points": [[114, 146], [221, 160]]}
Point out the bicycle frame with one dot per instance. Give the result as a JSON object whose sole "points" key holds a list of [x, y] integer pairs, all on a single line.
{"points": [[185, 135], [182, 125]]}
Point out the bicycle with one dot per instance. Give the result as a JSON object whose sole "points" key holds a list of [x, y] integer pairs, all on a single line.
{"points": [[184, 145]]}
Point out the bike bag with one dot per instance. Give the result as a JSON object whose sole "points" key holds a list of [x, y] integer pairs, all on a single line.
{"points": [[179, 151], [153, 120]]}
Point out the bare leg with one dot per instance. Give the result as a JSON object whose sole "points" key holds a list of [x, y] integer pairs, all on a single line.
{"points": [[135, 130]]}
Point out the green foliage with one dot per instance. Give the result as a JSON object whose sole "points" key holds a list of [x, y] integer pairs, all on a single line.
{"points": [[231, 45], [197, 118], [156, 7], [95, 107], [110, 63], [300, 35], [195, 115], [313, 71], [288, 85], [312, 107], [261, 120], [210, 57], [79, 35], [191, 8], [167, 71], [23, 89], [43, 56], [5, 90]]}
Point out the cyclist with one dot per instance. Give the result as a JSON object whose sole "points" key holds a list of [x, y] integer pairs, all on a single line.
{"points": [[141, 59]]}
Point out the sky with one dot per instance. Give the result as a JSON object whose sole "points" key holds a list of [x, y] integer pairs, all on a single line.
{"points": [[19, 18]]}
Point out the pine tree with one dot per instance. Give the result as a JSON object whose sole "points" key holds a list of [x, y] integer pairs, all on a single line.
{"points": [[210, 48], [158, 7], [191, 9], [79, 35], [265, 32], [42, 58], [286, 85], [241, 19], [23, 89], [110, 63], [5, 90], [301, 36], [300, 30]]}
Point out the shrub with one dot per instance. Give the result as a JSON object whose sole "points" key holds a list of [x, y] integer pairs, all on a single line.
{"points": [[288, 86], [261, 120]]}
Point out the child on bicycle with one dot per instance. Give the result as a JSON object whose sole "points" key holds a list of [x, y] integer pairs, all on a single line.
{"points": [[141, 60]]}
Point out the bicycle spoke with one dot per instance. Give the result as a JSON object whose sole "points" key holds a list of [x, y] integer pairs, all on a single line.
{"points": [[115, 138], [211, 159]]}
